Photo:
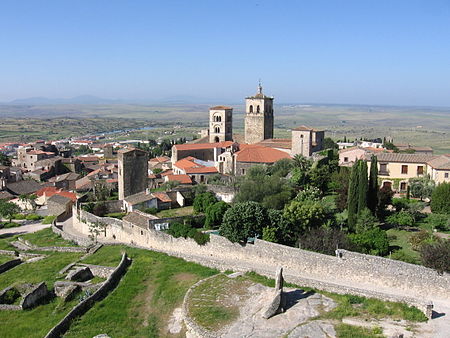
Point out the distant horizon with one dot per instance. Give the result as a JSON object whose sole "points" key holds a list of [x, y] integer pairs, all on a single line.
{"points": [[188, 100]]}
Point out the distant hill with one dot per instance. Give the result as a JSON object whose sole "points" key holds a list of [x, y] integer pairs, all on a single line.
{"points": [[82, 99]]}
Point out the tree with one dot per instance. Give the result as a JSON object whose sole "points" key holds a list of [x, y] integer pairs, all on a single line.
{"points": [[339, 183], [304, 215], [100, 209], [440, 199], [214, 214], [353, 197], [436, 255], [328, 143], [203, 201], [285, 233], [421, 187], [281, 168], [384, 198], [8, 209], [401, 219], [365, 221], [363, 186], [243, 220], [372, 193]]}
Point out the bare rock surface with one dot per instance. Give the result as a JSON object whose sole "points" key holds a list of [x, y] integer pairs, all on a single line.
{"points": [[300, 307], [314, 329]]}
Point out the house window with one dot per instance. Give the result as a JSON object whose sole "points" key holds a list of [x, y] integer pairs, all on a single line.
{"points": [[383, 168], [420, 170], [446, 175], [345, 159], [404, 169], [243, 171], [402, 186]]}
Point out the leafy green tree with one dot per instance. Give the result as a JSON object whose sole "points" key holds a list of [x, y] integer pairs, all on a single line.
{"points": [[340, 184], [372, 193], [373, 242], [269, 234], [281, 168], [203, 201], [384, 198], [324, 240], [214, 214], [421, 187], [8, 209], [304, 215], [309, 194], [440, 199], [285, 232], [328, 143], [243, 220]]}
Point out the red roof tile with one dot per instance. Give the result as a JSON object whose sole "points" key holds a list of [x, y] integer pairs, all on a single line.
{"points": [[260, 154], [183, 179]]}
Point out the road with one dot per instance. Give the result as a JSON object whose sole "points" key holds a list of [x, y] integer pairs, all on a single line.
{"points": [[24, 229]]}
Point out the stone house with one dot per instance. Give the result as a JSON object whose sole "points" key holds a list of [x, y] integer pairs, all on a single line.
{"points": [[196, 169], [348, 156], [201, 151], [161, 162], [439, 168], [65, 181], [58, 204], [25, 187], [146, 199]]}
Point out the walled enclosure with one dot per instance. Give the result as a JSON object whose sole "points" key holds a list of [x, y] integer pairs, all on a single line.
{"points": [[348, 272]]}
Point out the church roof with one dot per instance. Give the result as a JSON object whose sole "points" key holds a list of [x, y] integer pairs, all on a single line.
{"points": [[220, 108], [260, 154]]}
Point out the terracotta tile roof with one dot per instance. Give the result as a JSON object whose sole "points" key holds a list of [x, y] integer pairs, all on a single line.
{"points": [[285, 143], [442, 162], [50, 191], [305, 128], [167, 172], [161, 159], [403, 158], [201, 170], [220, 108], [260, 154], [88, 158], [192, 146], [162, 196], [183, 179], [191, 166]]}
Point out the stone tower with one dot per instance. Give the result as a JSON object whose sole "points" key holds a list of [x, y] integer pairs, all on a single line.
{"points": [[133, 172], [220, 124], [306, 141], [258, 117]]}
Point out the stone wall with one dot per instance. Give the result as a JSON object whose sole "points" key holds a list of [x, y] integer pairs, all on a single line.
{"points": [[82, 241], [223, 193], [350, 273], [81, 308], [34, 296]]}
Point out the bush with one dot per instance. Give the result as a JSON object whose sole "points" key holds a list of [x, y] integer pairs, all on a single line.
{"points": [[11, 296], [7, 225], [373, 242], [402, 219], [439, 221], [420, 238], [440, 199], [19, 216], [48, 219], [436, 255], [152, 211], [33, 217], [185, 230], [324, 240], [401, 255]]}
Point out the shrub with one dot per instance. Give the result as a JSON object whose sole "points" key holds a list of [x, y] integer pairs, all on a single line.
{"points": [[373, 242], [100, 209], [19, 216], [11, 296], [185, 230], [436, 255], [33, 217], [402, 219], [401, 255], [324, 240], [439, 221], [7, 225], [151, 211], [420, 238], [440, 199], [48, 219]]}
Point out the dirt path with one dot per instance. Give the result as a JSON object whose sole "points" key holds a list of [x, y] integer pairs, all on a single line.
{"points": [[24, 229]]}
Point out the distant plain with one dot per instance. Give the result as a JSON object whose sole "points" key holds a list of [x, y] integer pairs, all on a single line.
{"points": [[421, 126]]}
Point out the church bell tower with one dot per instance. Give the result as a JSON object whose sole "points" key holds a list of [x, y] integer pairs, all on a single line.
{"points": [[258, 117]]}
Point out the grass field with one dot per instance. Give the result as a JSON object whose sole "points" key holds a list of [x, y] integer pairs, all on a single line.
{"points": [[6, 258], [177, 212], [46, 237]]}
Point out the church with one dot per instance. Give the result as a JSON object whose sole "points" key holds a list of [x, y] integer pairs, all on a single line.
{"points": [[217, 151]]}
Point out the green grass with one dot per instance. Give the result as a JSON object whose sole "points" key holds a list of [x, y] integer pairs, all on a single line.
{"points": [[178, 212], [144, 300], [5, 243], [8, 225], [206, 305], [350, 331], [6, 258], [402, 241], [43, 270], [48, 219], [46, 237]]}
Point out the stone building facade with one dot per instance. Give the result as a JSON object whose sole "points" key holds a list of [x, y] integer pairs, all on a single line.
{"points": [[258, 117], [220, 124], [306, 141], [133, 172]]}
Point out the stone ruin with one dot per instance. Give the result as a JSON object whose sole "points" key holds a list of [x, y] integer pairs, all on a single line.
{"points": [[30, 295], [278, 303]]}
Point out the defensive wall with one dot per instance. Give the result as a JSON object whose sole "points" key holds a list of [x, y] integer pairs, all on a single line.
{"points": [[347, 272]]}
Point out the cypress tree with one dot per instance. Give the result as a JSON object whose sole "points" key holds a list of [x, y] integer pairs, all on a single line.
{"points": [[372, 195], [353, 197], [363, 185]]}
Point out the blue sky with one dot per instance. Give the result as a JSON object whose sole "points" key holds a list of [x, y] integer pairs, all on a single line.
{"points": [[363, 52]]}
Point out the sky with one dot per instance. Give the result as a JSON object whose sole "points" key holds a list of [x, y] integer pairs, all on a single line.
{"points": [[335, 51]]}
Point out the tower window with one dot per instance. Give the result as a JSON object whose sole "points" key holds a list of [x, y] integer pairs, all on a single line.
{"points": [[257, 109], [251, 108], [217, 130]]}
